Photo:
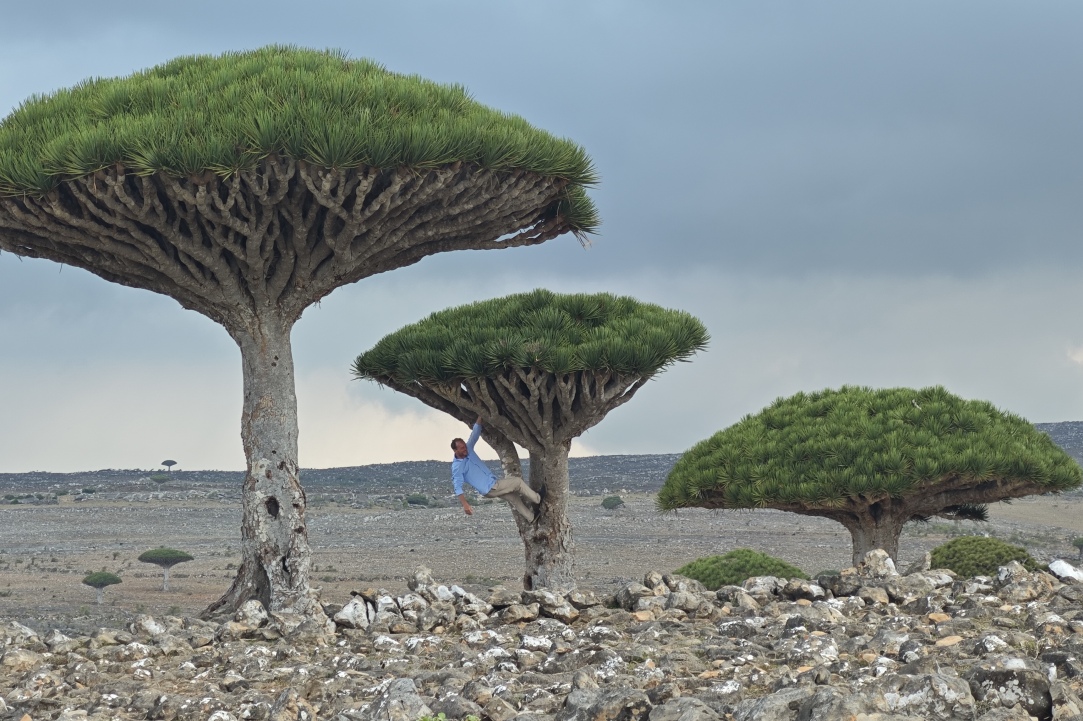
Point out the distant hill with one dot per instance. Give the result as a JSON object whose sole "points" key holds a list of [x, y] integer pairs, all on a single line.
{"points": [[591, 475], [1067, 434]]}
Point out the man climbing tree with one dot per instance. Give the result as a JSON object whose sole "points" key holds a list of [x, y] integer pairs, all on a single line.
{"points": [[873, 460], [540, 368], [250, 185]]}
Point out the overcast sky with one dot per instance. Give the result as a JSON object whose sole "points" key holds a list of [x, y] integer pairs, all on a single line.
{"points": [[845, 193]]}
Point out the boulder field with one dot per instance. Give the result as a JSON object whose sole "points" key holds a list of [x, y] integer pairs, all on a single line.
{"points": [[866, 644]]}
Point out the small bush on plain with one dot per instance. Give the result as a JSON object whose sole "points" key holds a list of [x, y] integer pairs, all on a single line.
{"points": [[736, 566], [972, 556], [611, 503]]}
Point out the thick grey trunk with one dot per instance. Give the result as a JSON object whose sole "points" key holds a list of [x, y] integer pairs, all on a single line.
{"points": [[275, 555], [548, 541], [872, 531], [165, 578], [100, 593]]}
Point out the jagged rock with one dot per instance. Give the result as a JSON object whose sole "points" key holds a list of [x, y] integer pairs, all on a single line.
{"points": [[927, 696], [18, 660], [583, 599], [518, 613], [251, 614], [1065, 571], [799, 588], [619, 704], [877, 564], [627, 596], [1015, 713], [763, 589], [399, 701], [289, 706], [1067, 705], [501, 597], [783, 705], [686, 708], [1008, 681], [456, 707], [355, 614]]}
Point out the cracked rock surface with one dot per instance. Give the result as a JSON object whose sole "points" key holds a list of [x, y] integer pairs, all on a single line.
{"points": [[866, 643]]}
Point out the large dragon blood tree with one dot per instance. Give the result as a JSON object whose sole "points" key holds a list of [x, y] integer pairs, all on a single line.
{"points": [[540, 368], [250, 185], [872, 460]]}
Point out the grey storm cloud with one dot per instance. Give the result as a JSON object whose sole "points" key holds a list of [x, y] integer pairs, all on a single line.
{"points": [[844, 192]]}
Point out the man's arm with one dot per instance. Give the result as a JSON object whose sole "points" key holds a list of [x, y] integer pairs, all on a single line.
{"points": [[458, 478], [475, 434]]}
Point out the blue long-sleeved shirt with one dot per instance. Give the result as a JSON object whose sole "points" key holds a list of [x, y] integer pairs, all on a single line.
{"points": [[472, 469]]}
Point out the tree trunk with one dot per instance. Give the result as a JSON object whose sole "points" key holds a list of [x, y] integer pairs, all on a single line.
{"points": [[548, 541], [165, 579], [275, 555], [100, 594], [876, 529]]}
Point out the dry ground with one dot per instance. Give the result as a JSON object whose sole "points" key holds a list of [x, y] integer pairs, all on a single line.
{"points": [[46, 550]]}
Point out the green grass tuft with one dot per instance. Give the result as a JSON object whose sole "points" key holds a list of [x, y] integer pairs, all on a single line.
{"points": [[971, 556], [736, 567]]}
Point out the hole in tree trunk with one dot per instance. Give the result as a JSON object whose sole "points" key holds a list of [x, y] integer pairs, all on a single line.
{"points": [[272, 506]]}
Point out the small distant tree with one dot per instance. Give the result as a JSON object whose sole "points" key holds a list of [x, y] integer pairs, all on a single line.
{"points": [[160, 478], [873, 460], [612, 503], [1078, 543], [169, 465], [166, 558], [99, 580]]}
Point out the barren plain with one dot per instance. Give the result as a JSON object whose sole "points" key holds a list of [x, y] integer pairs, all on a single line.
{"points": [[45, 550]]}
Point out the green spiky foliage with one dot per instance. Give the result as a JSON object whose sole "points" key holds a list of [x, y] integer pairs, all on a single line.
{"points": [[539, 366], [101, 579], [612, 503], [736, 567], [164, 557], [224, 114], [971, 556], [871, 459]]}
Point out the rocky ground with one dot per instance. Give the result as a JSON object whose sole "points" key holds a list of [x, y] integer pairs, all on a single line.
{"points": [[867, 643], [912, 649]]}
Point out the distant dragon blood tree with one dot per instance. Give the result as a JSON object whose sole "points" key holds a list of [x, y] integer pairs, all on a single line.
{"points": [[250, 185], [540, 368], [164, 558], [871, 460]]}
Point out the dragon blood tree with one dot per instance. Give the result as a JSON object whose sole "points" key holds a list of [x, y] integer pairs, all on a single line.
{"points": [[540, 368], [871, 460], [250, 185]]}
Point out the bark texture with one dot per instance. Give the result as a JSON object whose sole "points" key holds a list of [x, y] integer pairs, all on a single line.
{"points": [[275, 557], [542, 412], [251, 252], [547, 542]]}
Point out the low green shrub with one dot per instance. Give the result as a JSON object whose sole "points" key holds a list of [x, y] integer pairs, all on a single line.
{"points": [[972, 556], [736, 566], [611, 503]]}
